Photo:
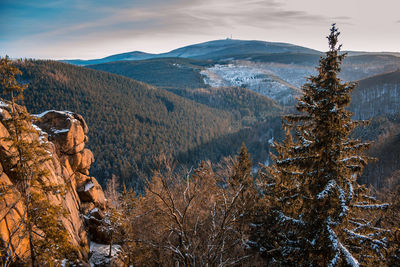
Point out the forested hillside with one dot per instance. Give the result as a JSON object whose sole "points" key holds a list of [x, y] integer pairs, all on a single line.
{"points": [[131, 121], [163, 72], [377, 96], [385, 132]]}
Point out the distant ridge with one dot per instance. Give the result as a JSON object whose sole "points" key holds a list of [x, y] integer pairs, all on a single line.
{"points": [[135, 55], [217, 49], [378, 95]]}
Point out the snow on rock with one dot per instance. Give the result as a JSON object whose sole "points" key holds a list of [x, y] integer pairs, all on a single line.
{"points": [[65, 112], [99, 254], [56, 131], [89, 186], [94, 210], [67, 130], [3, 105]]}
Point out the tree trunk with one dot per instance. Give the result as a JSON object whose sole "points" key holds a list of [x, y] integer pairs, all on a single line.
{"points": [[33, 257], [111, 243]]}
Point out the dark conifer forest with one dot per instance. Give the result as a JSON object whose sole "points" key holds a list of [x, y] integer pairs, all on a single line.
{"points": [[173, 161], [130, 121]]}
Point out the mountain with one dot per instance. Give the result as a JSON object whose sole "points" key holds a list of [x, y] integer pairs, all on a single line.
{"points": [[358, 53], [384, 131], [275, 70], [377, 99], [232, 49], [216, 50], [367, 65], [132, 121], [135, 55], [377, 96], [221, 49], [277, 76]]}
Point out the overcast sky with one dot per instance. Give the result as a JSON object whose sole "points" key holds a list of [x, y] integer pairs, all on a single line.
{"points": [[87, 29]]}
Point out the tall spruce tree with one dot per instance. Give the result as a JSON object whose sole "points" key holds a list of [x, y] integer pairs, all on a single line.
{"points": [[317, 214]]}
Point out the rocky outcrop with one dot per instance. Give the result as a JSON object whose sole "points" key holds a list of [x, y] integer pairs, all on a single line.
{"points": [[68, 131], [65, 134]]}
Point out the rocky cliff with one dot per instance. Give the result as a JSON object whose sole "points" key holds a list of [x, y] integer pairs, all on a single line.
{"points": [[65, 133]]}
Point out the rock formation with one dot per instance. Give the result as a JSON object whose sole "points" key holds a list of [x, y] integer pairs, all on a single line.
{"points": [[65, 132]]}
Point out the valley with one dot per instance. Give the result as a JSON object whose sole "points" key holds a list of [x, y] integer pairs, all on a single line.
{"points": [[199, 133], [154, 120], [191, 101]]}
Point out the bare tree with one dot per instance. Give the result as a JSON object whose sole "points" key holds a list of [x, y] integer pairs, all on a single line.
{"points": [[191, 219]]}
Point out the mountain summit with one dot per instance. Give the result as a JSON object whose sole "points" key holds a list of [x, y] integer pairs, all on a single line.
{"points": [[217, 49]]}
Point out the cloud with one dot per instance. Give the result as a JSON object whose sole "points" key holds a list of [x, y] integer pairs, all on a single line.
{"points": [[178, 16], [92, 23], [88, 25], [342, 18]]}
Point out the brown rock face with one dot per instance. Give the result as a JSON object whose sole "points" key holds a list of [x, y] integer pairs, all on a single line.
{"points": [[11, 211], [5, 145], [69, 166], [81, 161], [66, 130]]}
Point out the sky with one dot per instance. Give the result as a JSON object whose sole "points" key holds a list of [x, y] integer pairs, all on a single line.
{"points": [[88, 29]]}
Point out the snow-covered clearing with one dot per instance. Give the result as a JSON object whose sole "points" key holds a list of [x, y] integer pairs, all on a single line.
{"points": [[277, 81]]}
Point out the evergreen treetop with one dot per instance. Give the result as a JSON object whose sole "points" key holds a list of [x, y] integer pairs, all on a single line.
{"points": [[311, 188]]}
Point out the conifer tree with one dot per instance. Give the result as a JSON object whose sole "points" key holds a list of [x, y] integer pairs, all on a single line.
{"points": [[46, 235], [241, 180], [242, 168], [391, 220], [317, 214]]}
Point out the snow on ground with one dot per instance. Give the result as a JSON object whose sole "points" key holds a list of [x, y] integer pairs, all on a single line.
{"points": [[276, 81], [99, 254]]}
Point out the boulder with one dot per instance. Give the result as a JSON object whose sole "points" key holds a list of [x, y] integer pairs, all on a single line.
{"points": [[81, 161], [66, 130], [86, 161], [91, 191]]}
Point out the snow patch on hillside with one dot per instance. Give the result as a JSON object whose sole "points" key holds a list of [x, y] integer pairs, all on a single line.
{"points": [[277, 81]]}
